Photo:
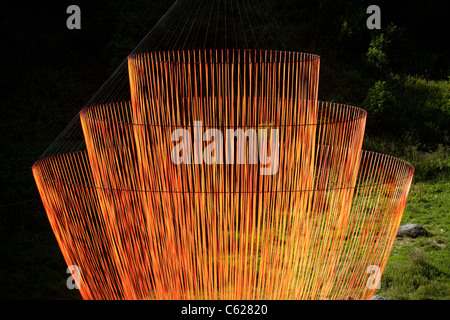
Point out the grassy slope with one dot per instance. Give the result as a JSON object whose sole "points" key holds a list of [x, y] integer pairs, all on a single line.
{"points": [[419, 268]]}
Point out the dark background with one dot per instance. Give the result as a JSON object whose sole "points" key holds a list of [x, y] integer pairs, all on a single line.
{"points": [[399, 74]]}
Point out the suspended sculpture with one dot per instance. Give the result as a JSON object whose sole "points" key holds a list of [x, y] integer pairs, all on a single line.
{"points": [[224, 177]]}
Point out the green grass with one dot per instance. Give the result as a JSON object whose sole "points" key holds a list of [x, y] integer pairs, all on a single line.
{"points": [[419, 269]]}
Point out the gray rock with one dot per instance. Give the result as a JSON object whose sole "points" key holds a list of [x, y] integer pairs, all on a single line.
{"points": [[411, 230], [377, 297]]}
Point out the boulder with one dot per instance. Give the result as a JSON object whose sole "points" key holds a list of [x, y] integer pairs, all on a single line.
{"points": [[377, 297], [411, 230]]}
